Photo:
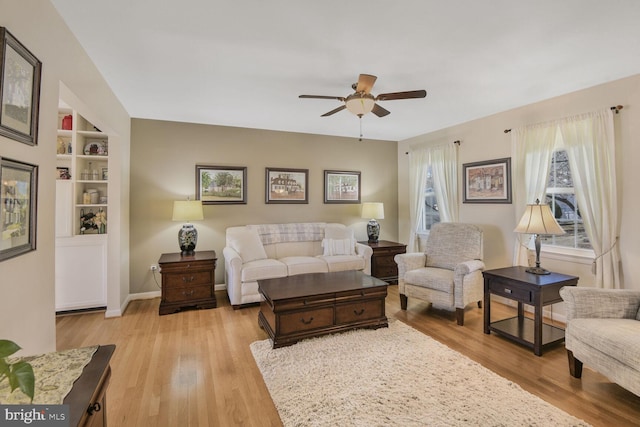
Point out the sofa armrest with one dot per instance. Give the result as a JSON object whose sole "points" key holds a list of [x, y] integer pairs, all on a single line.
{"points": [[365, 252], [233, 274], [600, 303]]}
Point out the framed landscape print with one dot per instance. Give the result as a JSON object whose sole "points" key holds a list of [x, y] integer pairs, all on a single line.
{"points": [[341, 186], [221, 185], [18, 196], [286, 185], [20, 90], [488, 181]]}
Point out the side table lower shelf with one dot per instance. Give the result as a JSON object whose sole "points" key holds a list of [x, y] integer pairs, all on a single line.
{"points": [[522, 331]]}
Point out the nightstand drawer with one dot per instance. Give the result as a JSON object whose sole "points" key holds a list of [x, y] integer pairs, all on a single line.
{"points": [[190, 293], [187, 267], [188, 279], [508, 290]]}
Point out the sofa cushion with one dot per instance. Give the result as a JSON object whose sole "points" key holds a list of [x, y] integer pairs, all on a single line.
{"points": [[619, 338], [433, 278], [262, 269], [339, 246], [287, 249], [343, 262], [304, 264], [248, 245]]}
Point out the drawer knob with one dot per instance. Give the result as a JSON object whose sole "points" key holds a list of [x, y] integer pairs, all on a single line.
{"points": [[507, 290], [188, 293], [306, 322], [358, 313], [96, 407], [187, 279]]}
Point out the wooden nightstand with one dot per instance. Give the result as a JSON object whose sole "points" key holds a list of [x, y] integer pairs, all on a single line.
{"points": [[382, 264], [187, 281]]}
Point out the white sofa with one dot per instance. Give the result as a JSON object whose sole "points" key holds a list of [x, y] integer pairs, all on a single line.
{"points": [[265, 251]]}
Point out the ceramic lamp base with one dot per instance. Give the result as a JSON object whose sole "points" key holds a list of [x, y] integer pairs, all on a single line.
{"points": [[373, 231], [187, 239]]}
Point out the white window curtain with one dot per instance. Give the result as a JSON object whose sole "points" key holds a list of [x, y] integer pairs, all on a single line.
{"points": [[532, 148], [590, 145], [444, 167], [418, 162]]}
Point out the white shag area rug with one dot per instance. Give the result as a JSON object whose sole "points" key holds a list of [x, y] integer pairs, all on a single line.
{"points": [[393, 376]]}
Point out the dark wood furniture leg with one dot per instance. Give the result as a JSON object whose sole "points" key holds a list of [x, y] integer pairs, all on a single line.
{"points": [[575, 366], [460, 316], [403, 302]]}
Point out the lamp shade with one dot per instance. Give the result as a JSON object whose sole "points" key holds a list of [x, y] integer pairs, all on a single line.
{"points": [[360, 103], [538, 219], [373, 210], [187, 210]]}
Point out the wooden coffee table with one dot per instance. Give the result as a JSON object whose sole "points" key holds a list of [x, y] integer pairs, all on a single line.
{"points": [[310, 305]]}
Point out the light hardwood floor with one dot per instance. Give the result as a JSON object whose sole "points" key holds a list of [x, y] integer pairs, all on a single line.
{"points": [[195, 368]]}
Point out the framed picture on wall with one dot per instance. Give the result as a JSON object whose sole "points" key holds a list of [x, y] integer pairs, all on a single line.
{"points": [[20, 73], [18, 196], [341, 186], [221, 185], [488, 181], [286, 185]]}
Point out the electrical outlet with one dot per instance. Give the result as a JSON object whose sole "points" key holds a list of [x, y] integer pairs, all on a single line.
{"points": [[153, 267]]}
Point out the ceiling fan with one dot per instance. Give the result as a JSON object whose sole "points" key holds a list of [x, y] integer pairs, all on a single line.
{"points": [[362, 101]]}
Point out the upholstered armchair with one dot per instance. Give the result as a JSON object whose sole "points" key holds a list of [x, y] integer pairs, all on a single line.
{"points": [[449, 273], [603, 332]]}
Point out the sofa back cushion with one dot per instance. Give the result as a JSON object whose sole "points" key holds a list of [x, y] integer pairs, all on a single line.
{"points": [[247, 243], [292, 232]]}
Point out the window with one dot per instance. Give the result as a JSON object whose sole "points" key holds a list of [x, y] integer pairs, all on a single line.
{"points": [[430, 213], [561, 198]]}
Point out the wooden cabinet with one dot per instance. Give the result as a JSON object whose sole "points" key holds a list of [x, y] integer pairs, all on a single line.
{"points": [[383, 265], [187, 281]]}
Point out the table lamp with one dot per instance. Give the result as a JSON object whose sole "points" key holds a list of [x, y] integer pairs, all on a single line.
{"points": [[374, 211], [187, 210], [538, 220]]}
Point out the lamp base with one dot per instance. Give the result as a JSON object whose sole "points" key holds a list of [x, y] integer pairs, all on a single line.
{"points": [[373, 231], [537, 270], [187, 239]]}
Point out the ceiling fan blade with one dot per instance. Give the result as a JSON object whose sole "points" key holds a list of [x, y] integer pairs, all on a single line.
{"points": [[340, 108], [379, 111], [365, 83], [339, 98], [402, 95]]}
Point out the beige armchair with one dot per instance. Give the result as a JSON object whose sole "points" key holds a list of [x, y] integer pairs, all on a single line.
{"points": [[449, 273]]}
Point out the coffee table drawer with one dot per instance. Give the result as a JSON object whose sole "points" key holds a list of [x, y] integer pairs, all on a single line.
{"points": [[351, 313], [306, 320]]}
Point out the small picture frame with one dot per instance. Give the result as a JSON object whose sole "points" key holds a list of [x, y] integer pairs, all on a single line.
{"points": [[18, 197], [221, 185], [20, 73], [63, 173], [105, 174], [341, 186], [488, 181], [286, 185]]}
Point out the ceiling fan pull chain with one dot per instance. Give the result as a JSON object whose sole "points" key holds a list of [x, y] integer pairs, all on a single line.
{"points": [[360, 128]]}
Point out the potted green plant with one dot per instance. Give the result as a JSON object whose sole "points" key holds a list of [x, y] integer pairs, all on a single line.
{"points": [[19, 374]]}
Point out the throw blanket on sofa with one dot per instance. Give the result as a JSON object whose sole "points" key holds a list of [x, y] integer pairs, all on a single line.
{"points": [[294, 232]]}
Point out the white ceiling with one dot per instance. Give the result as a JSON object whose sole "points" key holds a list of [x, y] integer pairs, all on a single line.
{"points": [[244, 62]]}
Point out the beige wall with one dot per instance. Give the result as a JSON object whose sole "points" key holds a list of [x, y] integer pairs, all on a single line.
{"points": [[27, 313], [163, 158], [484, 139]]}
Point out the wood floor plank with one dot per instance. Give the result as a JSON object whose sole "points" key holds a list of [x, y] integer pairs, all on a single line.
{"points": [[195, 368]]}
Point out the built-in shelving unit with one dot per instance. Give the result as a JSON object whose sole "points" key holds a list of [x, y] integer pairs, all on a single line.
{"points": [[82, 212]]}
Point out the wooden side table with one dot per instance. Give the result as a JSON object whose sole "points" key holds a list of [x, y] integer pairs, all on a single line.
{"points": [[526, 288], [382, 264], [187, 281]]}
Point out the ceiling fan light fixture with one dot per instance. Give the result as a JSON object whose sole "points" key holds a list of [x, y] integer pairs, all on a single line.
{"points": [[360, 103]]}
